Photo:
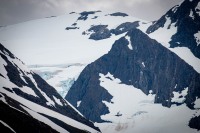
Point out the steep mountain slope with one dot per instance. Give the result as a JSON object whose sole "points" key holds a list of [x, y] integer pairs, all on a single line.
{"points": [[143, 63], [26, 95], [179, 31]]}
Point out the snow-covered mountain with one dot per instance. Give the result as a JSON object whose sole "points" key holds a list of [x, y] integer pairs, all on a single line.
{"points": [[179, 31], [29, 104], [65, 39], [155, 75], [183, 20], [165, 77], [139, 76]]}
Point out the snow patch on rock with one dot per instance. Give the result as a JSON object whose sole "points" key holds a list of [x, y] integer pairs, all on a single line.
{"points": [[179, 97], [197, 38], [129, 42]]}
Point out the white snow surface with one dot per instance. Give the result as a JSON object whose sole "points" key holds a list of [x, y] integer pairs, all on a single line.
{"points": [[57, 101], [163, 34], [139, 112], [6, 125], [197, 103], [45, 41], [185, 54]]}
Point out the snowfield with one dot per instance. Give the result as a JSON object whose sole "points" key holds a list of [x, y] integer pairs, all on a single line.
{"points": [[133, 111], [56, 44]]}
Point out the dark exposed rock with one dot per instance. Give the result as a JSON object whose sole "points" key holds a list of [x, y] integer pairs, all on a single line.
{"points": [[74, 24], [119, 14], [72, 12], [124, 27], [51, 17], [95, 17], [161, 72], [84, 15], [195, 123], [71, 28], [186, 26], [100, 32], [2, 75]]}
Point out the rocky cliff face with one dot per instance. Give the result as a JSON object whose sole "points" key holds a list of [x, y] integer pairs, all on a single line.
{"points": [[142, 62], [186, 17]]}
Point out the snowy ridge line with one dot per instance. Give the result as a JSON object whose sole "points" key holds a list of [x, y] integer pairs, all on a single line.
{"points": [[6, 125], [34, 107], [2, 98], [40, 109], [44, 119]]}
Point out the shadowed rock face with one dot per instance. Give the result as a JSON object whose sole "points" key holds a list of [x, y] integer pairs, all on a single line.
{"points": [[186, 25], [148, 66], [18, 121], [195, 123]]}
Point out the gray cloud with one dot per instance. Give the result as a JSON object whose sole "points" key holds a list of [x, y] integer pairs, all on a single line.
{"points": [[14, 11]]}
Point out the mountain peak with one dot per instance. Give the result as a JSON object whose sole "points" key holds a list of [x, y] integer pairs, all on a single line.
{"points": [[185, 19]]}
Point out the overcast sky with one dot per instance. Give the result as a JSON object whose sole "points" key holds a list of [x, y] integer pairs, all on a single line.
{"points": [[15, 11]]}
